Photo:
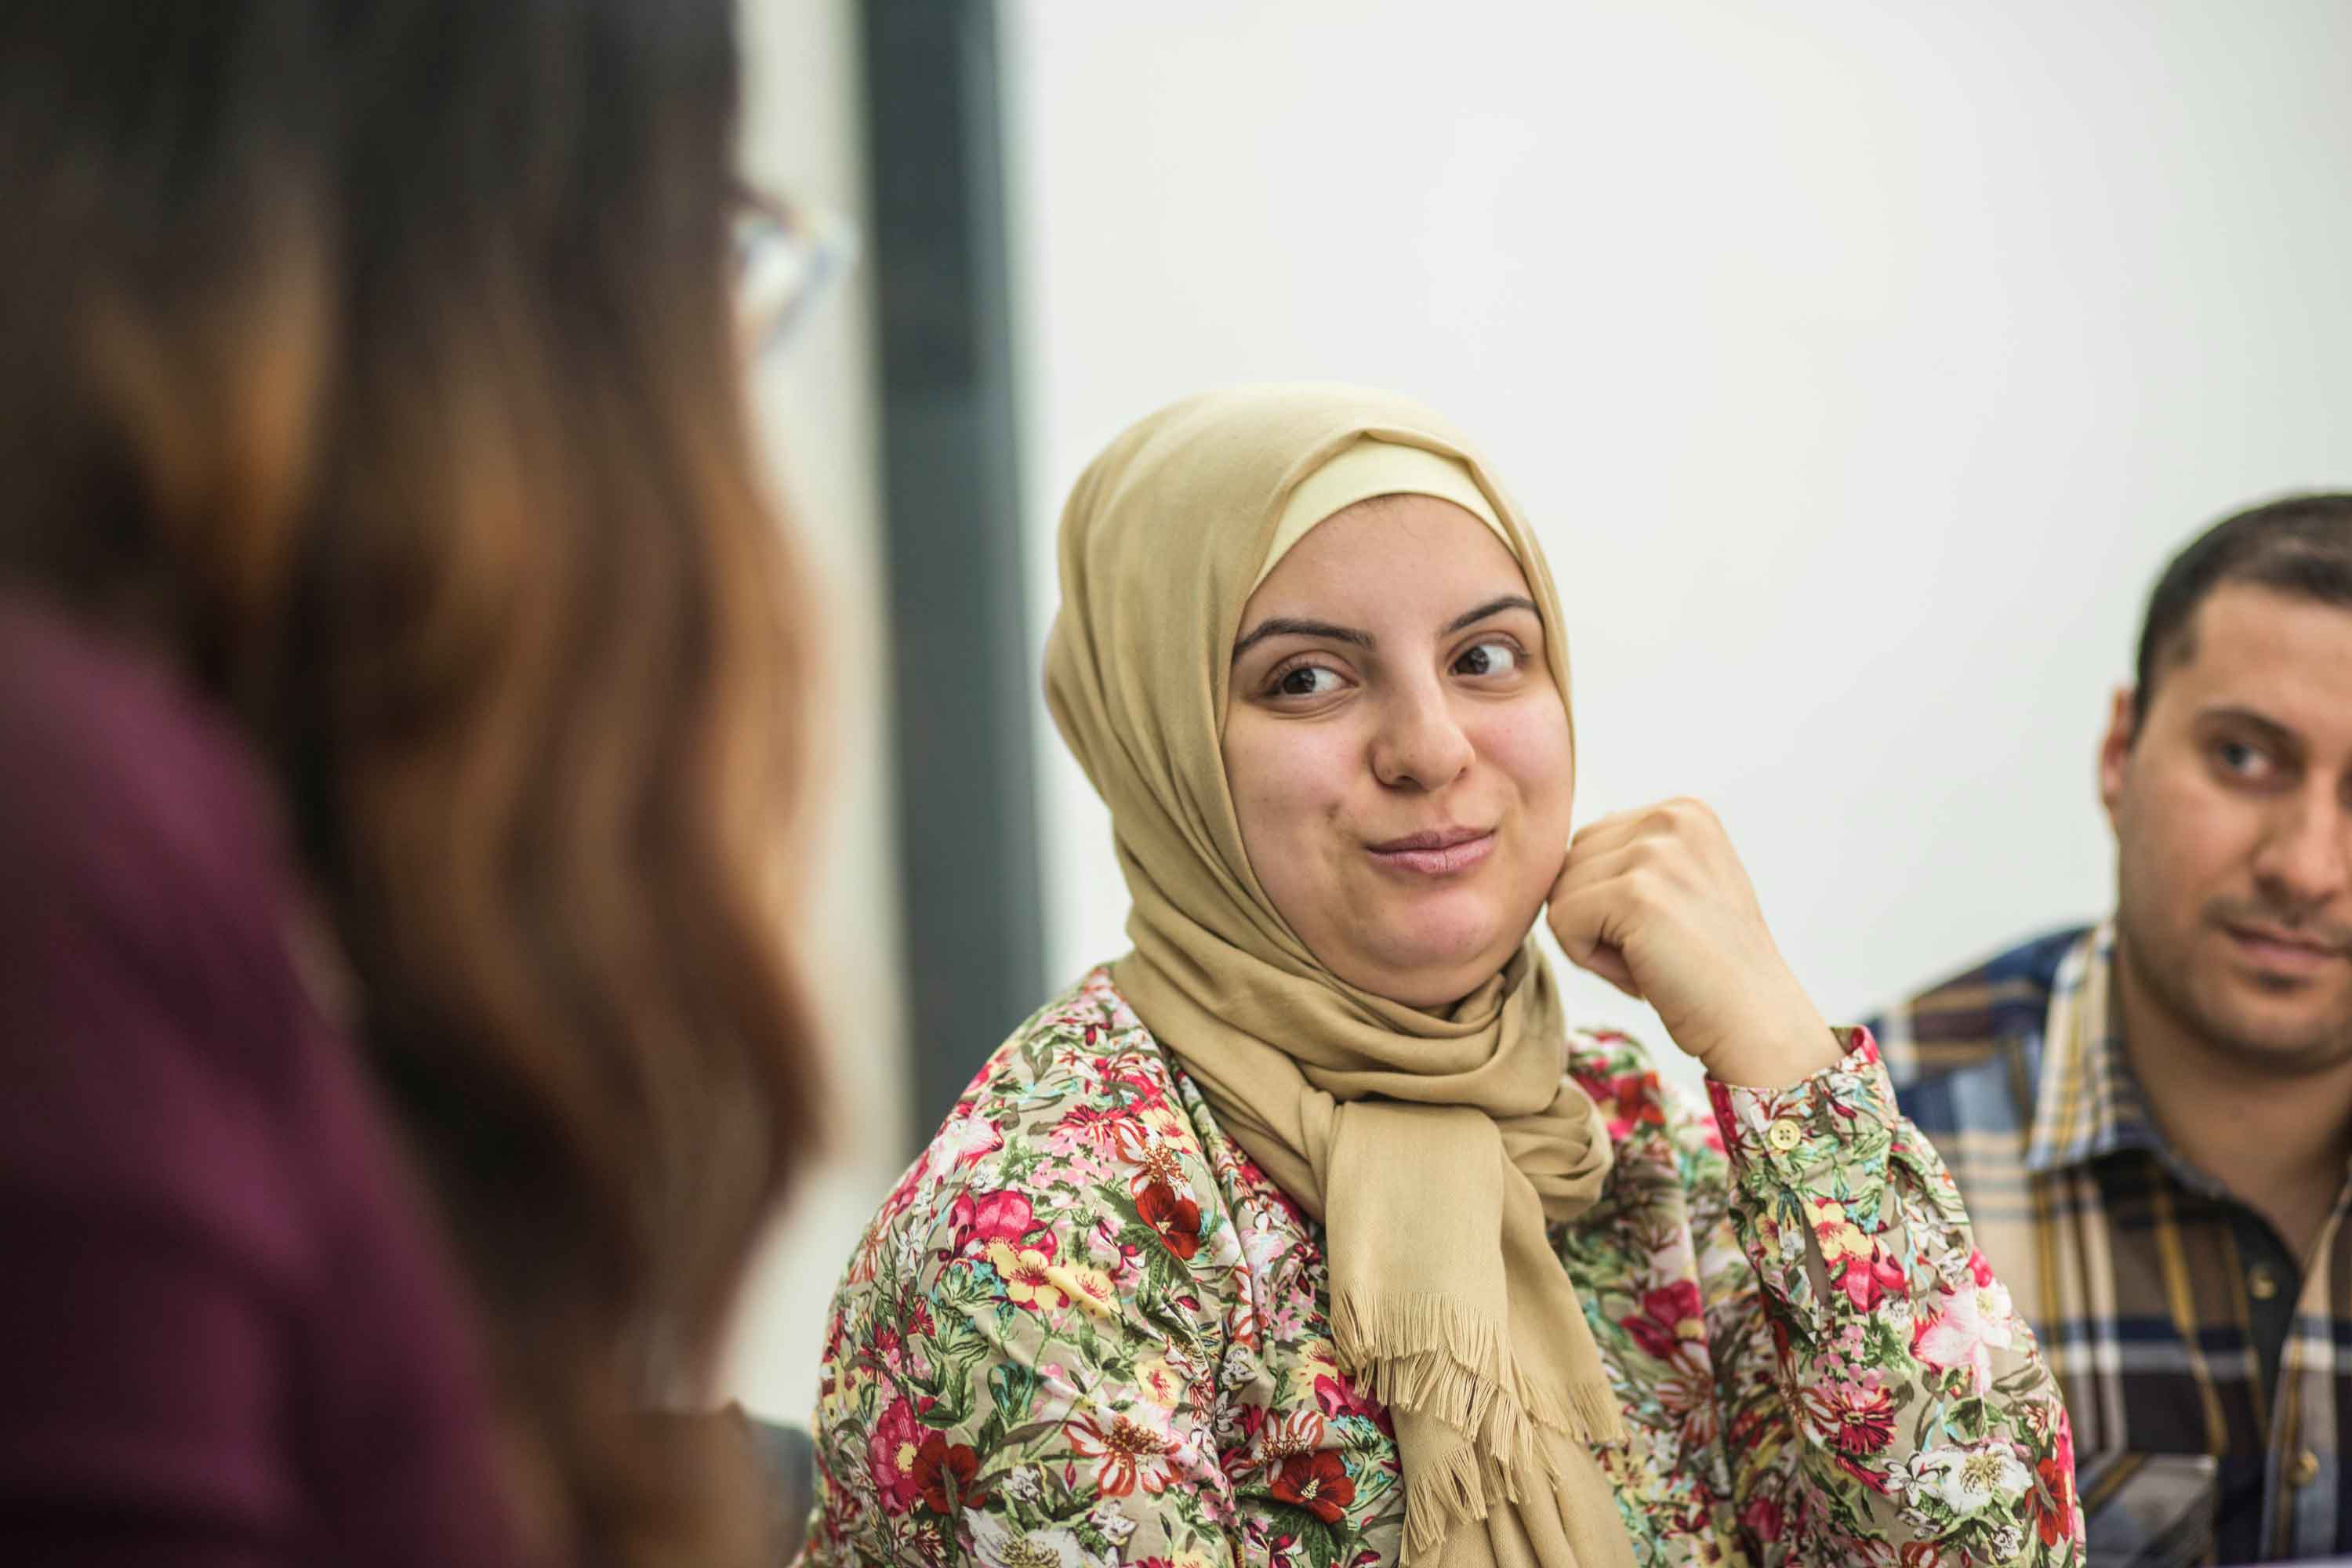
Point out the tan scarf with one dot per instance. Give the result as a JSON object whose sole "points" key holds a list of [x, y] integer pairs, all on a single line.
{"points": [[1433, 1149]]}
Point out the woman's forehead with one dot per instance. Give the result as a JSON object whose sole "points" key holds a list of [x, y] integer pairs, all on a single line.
{"points": [[1393, 554]]}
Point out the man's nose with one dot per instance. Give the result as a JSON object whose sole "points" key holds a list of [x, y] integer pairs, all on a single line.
{"points": [[2305, 855]]}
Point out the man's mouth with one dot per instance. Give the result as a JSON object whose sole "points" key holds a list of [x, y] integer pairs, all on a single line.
{"points": [[2273, 948]]}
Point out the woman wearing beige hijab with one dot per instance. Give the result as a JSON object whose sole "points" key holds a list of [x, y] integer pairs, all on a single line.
{"points": [[1308, 1232]]}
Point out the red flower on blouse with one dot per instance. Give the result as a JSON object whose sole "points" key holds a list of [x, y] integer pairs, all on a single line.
{"points": [[2055, 1518], [1670, 1318], [1857, 1418], [1869, 1281], [1177, 1219], [1316, 1482], [1627, 1100], [890, 1452], [943, 1476], [2053, 1499], [982, 1218]]}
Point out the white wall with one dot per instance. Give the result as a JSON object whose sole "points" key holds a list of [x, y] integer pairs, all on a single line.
{"points": [[816, 396], [1859, 363]]}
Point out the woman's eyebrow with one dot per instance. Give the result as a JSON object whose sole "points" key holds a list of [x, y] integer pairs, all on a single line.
{"points": [[1290, 626], [1491, 607]]}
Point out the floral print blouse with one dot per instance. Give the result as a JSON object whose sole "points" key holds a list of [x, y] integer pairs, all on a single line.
{"points": [[1085, 1332]]}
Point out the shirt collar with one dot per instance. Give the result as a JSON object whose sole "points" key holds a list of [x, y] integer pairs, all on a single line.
{"points": [[2087, 1104]]}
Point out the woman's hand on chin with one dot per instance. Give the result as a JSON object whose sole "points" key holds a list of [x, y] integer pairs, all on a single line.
{"points": [[1656, 902]]}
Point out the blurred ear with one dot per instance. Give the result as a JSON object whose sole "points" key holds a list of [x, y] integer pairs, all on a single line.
{"points": [[2115, 751]]}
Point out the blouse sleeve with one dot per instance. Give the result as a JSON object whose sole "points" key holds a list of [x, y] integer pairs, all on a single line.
{"points": [[1881, 1389], [1024, 1376]]}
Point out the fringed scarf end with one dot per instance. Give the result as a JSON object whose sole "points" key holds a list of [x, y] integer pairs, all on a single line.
{"points": [[1600, 1419], [1438, 1499], [1423, 1353]]}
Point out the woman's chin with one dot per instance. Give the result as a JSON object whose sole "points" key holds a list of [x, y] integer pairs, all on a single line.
{"points": [[1434, 975]]}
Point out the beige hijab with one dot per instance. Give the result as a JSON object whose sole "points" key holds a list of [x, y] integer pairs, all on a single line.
{"points": [[1433, 1147]]}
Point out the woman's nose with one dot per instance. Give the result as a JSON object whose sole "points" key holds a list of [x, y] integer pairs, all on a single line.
{"points": [[1420, 743]]}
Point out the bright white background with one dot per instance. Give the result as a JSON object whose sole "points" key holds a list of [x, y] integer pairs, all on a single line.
{"points": [[815, 398], [1859, 364]]}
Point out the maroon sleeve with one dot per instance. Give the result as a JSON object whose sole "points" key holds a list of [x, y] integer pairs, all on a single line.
{"points": [[227, 1333]]}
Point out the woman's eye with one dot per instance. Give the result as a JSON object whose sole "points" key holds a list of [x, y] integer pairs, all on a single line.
{"points": [[1487, 658], [1307, 681]]}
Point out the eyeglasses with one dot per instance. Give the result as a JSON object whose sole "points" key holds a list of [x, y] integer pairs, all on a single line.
{"points": [[786, 256]]}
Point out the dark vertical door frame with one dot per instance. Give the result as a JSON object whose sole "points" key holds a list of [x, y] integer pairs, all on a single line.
{"points": [[962, 689]]}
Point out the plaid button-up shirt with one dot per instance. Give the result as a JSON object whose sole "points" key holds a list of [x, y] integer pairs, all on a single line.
{"points": [[2208, 1376]]}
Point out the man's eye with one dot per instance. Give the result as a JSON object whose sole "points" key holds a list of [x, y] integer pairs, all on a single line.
{"points": [[1307, 681], [2240, 758], [1487, 658]]}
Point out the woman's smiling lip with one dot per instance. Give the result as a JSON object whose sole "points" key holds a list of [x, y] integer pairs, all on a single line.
{"points": [[1440, 852]]}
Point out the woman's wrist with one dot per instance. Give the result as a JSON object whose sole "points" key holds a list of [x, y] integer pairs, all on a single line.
{"points": [[1778, 1057]]}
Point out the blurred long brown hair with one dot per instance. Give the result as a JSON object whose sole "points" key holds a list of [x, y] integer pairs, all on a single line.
{"points": [[377, 362]]}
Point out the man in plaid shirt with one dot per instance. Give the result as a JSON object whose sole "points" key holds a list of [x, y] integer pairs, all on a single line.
{"points": [[2150, 1119]]}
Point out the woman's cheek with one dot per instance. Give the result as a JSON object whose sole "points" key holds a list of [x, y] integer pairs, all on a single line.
{"points": [[1287, 780], [1528, 743]]}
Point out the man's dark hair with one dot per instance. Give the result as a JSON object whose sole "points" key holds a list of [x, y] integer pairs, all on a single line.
{"points": [[2299, 545]]}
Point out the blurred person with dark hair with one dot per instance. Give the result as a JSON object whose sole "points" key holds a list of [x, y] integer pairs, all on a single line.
{"points": [[399, 720], [2151, 1119]]}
